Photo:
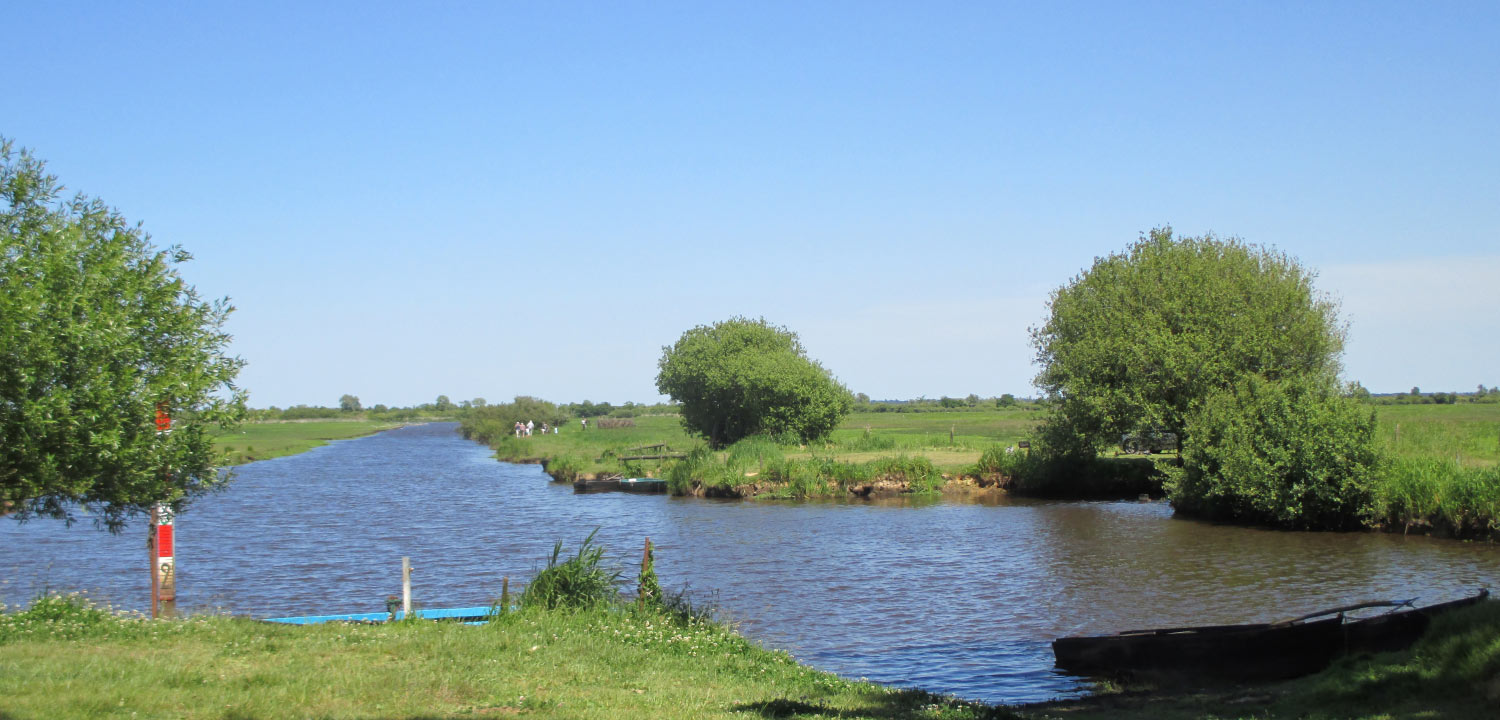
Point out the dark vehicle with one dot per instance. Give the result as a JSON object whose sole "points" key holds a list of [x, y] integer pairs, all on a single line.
{"points": [[1148, 443]]}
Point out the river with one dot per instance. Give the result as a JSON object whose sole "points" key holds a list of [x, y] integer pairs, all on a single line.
{"points": [[951, 596]]}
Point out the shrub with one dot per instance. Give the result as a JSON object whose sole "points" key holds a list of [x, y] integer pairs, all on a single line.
{"points": [[580, 582], [1001, 460], [1288, 453], [564, 468], [868, 441]]}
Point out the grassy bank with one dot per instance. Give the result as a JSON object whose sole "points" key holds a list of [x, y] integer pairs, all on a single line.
{"points": [[263, 441], [905, 451], [65, 659], [1443, 473], [69, 661]]}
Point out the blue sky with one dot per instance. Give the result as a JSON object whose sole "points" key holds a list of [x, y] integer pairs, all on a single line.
{"points": [[490, 199]]}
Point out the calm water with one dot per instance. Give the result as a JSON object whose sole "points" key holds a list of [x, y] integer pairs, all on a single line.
{"points": [[952, 597]]}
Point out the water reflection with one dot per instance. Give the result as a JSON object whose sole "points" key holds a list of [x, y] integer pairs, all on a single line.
{"points": [[951, 595]]}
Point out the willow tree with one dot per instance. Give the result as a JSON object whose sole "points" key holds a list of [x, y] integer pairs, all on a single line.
{"points": [[741, 377], [98, 331], [1143, 337]]}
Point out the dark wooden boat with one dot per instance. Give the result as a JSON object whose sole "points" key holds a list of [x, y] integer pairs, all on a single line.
{"points": [[593, 485], [1267, 651], [615, 483], [646, 486], [1261, 651], [1400, 629]]}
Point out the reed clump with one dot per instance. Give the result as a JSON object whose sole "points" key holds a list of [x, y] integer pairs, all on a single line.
{"points": [[1441, 494], [582, 581]]}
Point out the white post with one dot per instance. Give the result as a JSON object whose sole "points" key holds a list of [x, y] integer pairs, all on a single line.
{"points": [[406, 586]]}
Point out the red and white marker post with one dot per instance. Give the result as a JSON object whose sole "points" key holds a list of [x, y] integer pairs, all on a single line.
{"points": [[161, 542], [163, 563]]}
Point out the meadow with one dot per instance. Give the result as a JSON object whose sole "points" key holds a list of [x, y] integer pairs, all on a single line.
{"points": [[265, 440]]}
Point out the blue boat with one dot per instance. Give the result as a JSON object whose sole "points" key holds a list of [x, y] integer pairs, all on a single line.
{"points": [[468, 614]]}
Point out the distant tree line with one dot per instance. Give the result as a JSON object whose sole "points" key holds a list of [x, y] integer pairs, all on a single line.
{"points": [[863, 403], [1416, 397]]}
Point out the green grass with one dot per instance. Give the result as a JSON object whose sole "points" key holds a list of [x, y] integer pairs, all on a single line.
{"points": [[70, 661], [862, 438], [66, 658], [263, 441], [1468, 433]]}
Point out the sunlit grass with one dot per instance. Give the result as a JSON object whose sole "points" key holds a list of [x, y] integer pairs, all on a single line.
{"points": [[263, 441], [616, 662]]}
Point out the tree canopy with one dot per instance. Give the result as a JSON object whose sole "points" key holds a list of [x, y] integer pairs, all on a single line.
{"points": [[98, 330], [740, 377], [1142, 337]]}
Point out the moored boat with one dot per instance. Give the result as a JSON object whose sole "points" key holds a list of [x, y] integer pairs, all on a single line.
{"points": [[1400, 629], [615, 483], [1265, 651]]}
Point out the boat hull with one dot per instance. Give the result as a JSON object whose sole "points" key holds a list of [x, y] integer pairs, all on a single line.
{"points": [[1248, 652], [1261, 652]]}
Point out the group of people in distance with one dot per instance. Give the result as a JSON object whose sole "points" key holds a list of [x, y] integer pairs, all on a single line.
{"points": [[524, 430]]}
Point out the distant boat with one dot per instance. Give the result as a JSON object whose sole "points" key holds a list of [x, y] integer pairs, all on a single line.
{"points": [[619, 484], [1268, 651]]}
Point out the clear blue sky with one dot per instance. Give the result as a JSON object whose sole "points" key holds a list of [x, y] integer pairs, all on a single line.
{"points": [[489, 199]]}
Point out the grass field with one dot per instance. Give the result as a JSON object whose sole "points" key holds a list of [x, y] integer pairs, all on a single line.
{"points": [[619, 662], [861, 437], [263, 441], [64, 659], [1468, 433]]}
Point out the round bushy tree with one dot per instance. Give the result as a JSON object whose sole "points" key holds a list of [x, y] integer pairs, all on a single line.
{"points": [[1139, 339], [740, 377], [1291, 452], [97, 330]]}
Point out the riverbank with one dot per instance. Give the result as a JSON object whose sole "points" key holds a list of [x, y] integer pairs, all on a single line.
{"points": [[265, 440], [66, 662], [1441, 475], [63, 659]]}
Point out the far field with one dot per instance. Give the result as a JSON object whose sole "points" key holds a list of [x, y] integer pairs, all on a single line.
{"points": [[263, 441], [954, 440]]}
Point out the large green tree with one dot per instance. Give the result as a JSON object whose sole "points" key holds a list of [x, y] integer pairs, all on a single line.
{"points": [[1142, 337], [98, 330], [740, 377]]}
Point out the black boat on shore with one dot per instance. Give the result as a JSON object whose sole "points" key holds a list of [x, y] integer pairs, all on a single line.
{"points": [[1267, 651]]}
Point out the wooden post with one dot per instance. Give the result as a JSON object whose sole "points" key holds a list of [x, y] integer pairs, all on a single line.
{"points": [[950, 434], [505, 594], [640, 588], [1398, 433], [406, 586]]}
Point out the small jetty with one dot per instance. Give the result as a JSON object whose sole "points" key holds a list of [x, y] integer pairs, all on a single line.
{"points": [[472, 615], [645, 486]]}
